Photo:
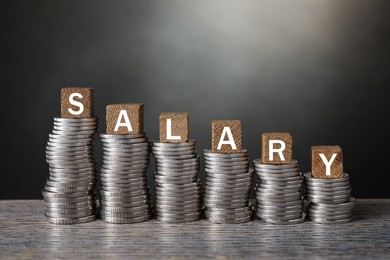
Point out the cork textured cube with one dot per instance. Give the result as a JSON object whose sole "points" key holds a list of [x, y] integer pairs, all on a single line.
{"points": [[318, 166], [77, 102], [217, 129], [174, 127], [131, 118], [277, 139]]}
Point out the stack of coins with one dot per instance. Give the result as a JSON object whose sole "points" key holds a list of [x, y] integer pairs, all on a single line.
{"points": [[329, 200], [228, 185], [124, 191], [69, 192], [178, 189], [279, 197]]}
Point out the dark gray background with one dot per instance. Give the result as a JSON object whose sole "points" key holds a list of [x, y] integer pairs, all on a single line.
{"points": [[317, 69]]}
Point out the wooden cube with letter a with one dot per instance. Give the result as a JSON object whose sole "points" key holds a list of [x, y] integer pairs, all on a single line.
{"points": [[226, 136], [124, 119], [173, 127], [76, 102], [276, 148], [327, 162]]}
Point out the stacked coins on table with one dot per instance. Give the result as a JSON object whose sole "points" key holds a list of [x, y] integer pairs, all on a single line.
{"points": [[69, 192], [124, 191], [228, 184], [329, 200], [279, 197], [178, 189]]}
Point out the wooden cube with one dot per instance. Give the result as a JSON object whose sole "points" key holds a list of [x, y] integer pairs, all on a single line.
{"points": [[276, 148], [173, 127], [327, 162], [124, 119], [226, 136], [77, 102]]}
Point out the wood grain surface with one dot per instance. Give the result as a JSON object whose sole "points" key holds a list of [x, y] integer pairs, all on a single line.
{"points": [[318, 168], [87, 100], [179, 126], [265, 148], [24, 233], [217, 127], [135, 114]]}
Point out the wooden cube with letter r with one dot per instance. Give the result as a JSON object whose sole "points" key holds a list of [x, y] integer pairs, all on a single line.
{"points": [[276, 148]]}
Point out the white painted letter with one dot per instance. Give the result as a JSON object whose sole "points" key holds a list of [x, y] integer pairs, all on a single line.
{"points": [[226, 130], [328, 163], [169, 131], [119, 123], [272, 150], [76, 103]]}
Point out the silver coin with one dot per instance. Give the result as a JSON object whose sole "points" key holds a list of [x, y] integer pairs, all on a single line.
{"points": [[257, 163], [209, 153], [190, 142], [126, 199], [81, 211], [281, 183], [310, 179], [181, 220], [285, 222], [327, 193], [167, 158], [88, 203], [120, 137], [125, 220], [228, 221], [227, 163], [279, 176], [338, 221], [66, 221]]}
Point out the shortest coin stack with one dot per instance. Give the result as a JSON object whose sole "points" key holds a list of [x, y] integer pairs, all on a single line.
{"points": [[329, 200], [279, 193], [124, 191], [228, 184], [178, 189], [69, 193]]}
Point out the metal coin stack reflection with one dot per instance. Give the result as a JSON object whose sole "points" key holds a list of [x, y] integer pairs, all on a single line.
{"points": [[228, 184], [124, 191], [69, 193], [330, 200], [279, 193], [178, 189]]}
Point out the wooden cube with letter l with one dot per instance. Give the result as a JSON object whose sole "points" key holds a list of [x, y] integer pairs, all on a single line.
{"points": [[173, 127]]}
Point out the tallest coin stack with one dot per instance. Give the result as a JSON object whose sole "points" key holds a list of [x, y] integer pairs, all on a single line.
{"points": [[69, 191]]}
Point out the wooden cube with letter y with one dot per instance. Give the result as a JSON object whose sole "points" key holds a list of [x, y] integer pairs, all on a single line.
{"points": [[327, 161]]}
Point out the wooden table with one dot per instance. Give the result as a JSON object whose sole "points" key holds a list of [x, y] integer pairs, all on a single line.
{"points": [[25, 233]]}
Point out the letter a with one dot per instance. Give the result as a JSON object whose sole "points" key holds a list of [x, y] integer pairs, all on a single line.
{"points": [[226, 131], [123, 114]]}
